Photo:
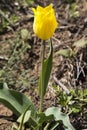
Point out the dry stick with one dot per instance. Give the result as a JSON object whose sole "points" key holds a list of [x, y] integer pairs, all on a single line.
{"points": [[61, 85], [3, 58], [80, 69]]}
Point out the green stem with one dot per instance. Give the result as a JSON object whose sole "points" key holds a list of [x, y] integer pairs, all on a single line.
{"points": [[21, 124], [46, 127], [42, 79]]}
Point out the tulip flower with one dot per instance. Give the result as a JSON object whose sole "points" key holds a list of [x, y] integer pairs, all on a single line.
{"points": [[44, 22], [44, 26]]}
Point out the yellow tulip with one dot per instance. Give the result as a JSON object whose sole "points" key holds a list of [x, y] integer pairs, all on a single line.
{"points": [[44, 22]]}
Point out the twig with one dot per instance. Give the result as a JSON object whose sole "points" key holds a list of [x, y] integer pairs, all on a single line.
{"points": [[61, 85], [3, 58], [80, 69], [66, 26], [56, 39]]}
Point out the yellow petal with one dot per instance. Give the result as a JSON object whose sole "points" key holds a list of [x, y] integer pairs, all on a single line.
{"points": [[47, 8], [34, 10], [44, 22], [39, 8]]}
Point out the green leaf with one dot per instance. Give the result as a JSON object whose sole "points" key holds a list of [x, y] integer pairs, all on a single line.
{"points": [[24, 34], [14, 18], [26, 116], [5, 17], [69, 1], [43, 118], [76, 108], [59, 116], [47, 71], [15, 101], [30, 2], [65, 52], [80, 43]]}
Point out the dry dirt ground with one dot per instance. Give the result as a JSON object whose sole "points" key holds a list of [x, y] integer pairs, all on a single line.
{"points": [[65, 70]]}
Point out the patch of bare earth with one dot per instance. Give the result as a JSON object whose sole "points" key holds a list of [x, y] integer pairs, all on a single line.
{"points": [[5, 117]]}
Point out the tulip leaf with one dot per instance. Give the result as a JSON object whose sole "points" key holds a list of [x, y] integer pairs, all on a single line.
{"points": [[15, 101], [25, 117], [60, 116], [46, 71]]}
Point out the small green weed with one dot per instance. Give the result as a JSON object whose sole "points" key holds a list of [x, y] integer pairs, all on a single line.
{"points": [[73, 102]]}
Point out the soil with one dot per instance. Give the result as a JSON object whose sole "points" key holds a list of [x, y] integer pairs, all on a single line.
{"points": [[65, 70]]}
